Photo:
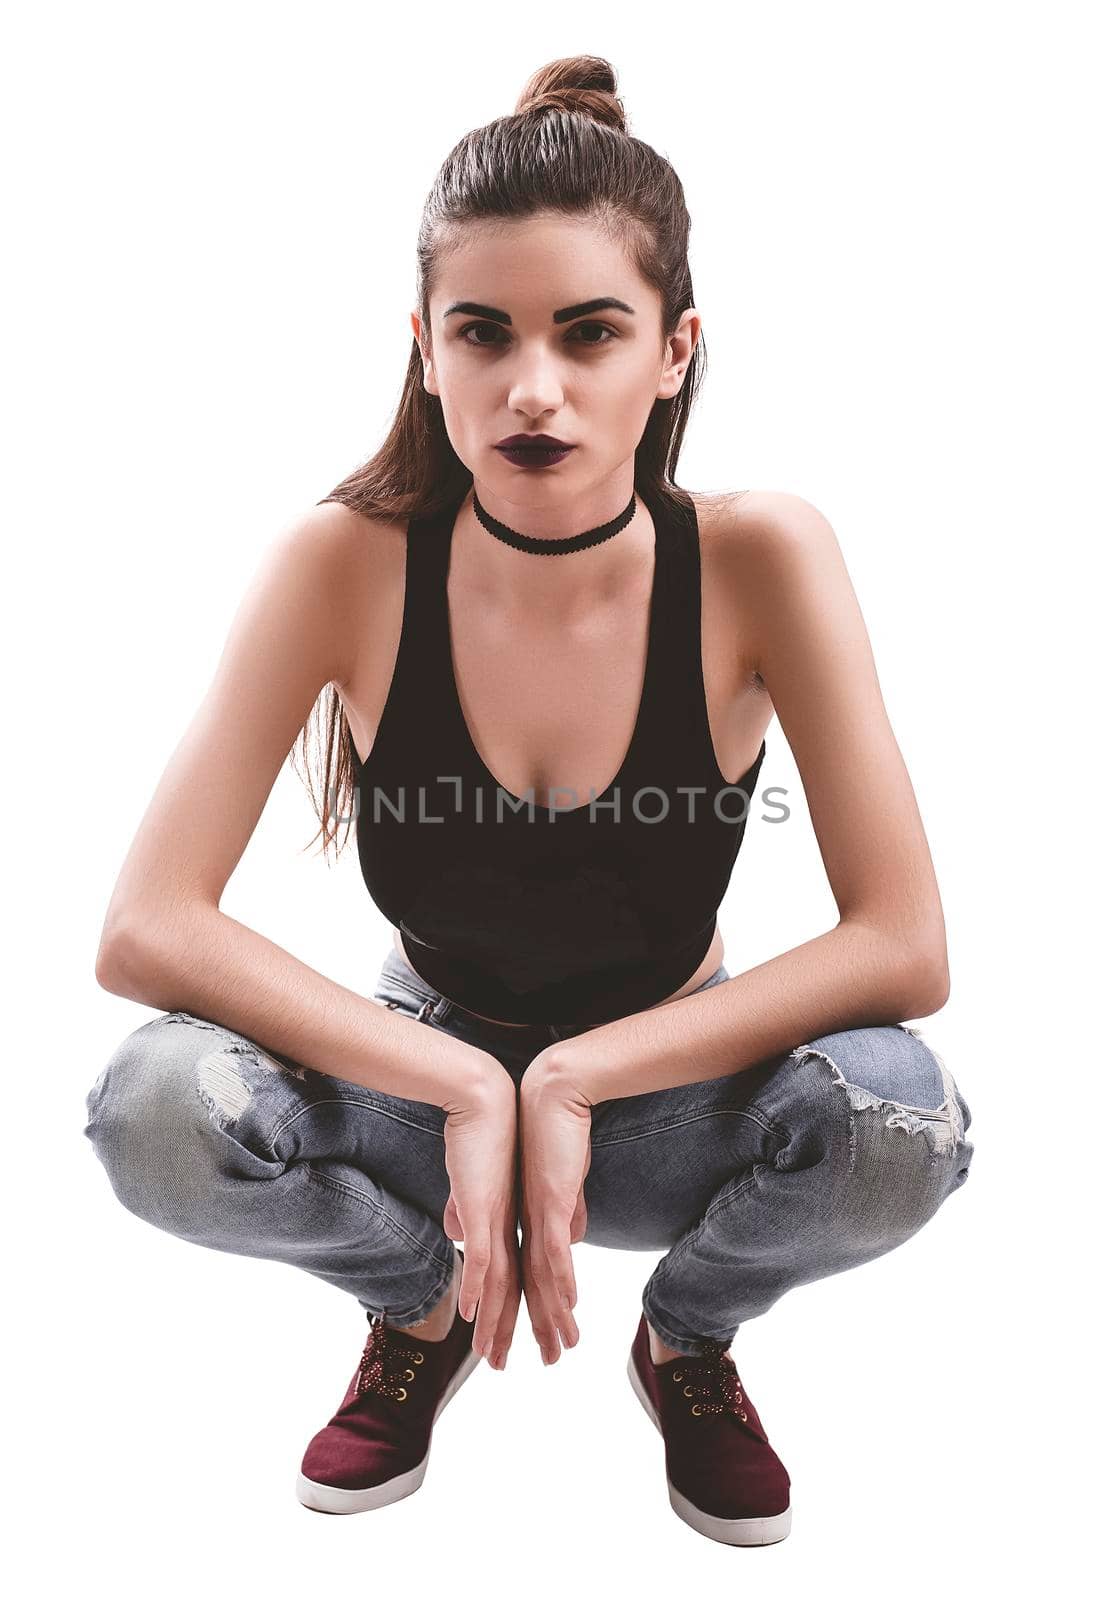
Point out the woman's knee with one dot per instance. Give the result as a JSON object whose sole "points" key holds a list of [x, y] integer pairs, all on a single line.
{"points": [[891, 1073], [160, 1111], [879, 1113]]}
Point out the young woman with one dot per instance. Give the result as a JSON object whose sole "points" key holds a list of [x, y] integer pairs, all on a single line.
{"points": [[549, 674]]}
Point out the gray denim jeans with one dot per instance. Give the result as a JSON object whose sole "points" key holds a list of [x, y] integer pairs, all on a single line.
{"points": [[801, 1166]]}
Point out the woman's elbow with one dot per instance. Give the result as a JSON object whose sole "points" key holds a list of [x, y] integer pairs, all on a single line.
{"points": [[121, 961], [928, 986]]}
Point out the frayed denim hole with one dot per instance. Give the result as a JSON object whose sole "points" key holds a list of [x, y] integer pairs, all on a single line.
{"points": [[241, 1088], [913, 1121]]}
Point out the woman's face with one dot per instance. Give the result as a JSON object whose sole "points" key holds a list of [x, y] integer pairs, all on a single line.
{"points": [[521, 360]]}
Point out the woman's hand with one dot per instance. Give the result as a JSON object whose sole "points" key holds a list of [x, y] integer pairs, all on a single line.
{"points": [[555, 1158], [480, 1150]]}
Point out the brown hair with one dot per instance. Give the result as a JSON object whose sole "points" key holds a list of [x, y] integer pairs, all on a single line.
{"points": [[566, 148]]}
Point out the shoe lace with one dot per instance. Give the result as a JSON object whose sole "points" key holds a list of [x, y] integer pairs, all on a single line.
{"points": [[388, 1362], [713, 1384]]}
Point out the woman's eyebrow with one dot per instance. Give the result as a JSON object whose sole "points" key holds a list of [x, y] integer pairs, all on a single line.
{"points": [[471, 308]]}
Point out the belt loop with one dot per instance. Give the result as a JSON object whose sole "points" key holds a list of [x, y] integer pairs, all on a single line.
{"points": [[422, 1014], [554, 1031]]}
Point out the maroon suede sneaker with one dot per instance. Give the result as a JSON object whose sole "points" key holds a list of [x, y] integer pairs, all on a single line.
{"points": [[723, 1477], [375, 1449]]}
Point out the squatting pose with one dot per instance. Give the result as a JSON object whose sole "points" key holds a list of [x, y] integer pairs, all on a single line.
{"points": [[539, 676]]}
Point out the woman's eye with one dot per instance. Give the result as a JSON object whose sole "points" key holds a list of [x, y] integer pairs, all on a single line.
{"points": [[600, 327], [492, 327]]}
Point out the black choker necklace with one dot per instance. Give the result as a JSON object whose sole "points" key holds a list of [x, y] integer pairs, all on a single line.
{"points": [[555, 547]]}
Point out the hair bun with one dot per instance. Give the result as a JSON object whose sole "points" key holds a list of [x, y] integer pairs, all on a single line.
{"points": [[586, 84]]}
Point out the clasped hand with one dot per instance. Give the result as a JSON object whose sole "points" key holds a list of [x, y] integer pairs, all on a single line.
{"points": [[519, 1158]]}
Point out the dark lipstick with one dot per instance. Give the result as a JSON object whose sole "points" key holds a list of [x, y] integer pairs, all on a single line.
{"points": [[533, 449]]}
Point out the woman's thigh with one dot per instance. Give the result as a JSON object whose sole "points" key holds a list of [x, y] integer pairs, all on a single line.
{"points": [[866, 1106], [187, 1112]]}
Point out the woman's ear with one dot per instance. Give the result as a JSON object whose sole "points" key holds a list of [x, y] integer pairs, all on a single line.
{"points": [[426, 354], [680, 349]]}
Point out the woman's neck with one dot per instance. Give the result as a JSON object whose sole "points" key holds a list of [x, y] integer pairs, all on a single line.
{"points": [[558, 586]]}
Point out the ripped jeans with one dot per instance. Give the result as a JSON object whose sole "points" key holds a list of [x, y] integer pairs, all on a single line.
{"points": [[798, 1167]]}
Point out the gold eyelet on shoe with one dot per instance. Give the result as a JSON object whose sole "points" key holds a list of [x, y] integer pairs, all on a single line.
{"points": [[401, 1394], [678, 1376], [696, 1411], [688, 1391], [410, 1374], [417, 1357]]}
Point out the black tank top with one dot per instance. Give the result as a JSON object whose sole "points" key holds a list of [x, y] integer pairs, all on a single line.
{"points": [[514, 908]]}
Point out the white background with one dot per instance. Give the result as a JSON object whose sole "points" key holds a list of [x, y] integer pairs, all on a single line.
{"points": [[210, 263]]}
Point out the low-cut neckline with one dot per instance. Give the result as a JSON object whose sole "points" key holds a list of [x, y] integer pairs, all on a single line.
{"points": [[642, 703]]}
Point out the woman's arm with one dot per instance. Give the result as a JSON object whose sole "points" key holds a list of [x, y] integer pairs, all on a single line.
{"points": [[165, 941], [885, 960]]}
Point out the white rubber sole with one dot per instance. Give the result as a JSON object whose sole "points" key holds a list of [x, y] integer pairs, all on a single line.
{"points": [[325, 1497], [727, 1530]]}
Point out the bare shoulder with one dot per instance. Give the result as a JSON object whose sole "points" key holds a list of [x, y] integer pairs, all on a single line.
{"points": [[361, 560], [785, 549], [739, 532], [747, 519], [342, 535], [769, 546]]}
